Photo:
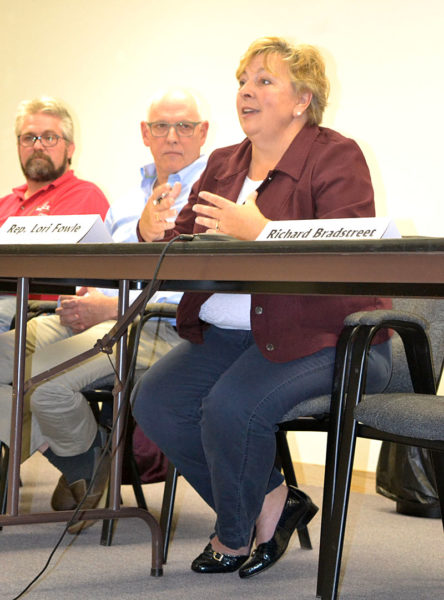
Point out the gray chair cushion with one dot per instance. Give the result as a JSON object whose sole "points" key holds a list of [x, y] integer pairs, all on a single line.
{"points": [[374, 317], [102, 382], [108, 381], [411, 415], [308, 408]]}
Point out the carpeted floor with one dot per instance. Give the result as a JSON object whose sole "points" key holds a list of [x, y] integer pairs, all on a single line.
{"points": [[387, 556]]}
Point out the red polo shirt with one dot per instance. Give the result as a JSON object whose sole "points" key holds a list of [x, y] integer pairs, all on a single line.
{"points": [[66, 195]]}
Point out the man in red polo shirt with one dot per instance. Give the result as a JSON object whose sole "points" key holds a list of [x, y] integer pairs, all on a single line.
{"points": [[45, 143]]}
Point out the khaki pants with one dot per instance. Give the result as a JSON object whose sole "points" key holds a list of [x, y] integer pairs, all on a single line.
{"points": [[55, 411]]}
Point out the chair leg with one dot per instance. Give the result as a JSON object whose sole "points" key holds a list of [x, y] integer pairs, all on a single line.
{"points": [[166, 515], [110, 524], [334, 536], [108, 527], [284, 457], [438, 466], [137, 483], [333, 541], [341, 416], [331, 466], [4, 462]]}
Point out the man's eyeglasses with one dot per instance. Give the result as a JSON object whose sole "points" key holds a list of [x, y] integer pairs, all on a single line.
{"points": [[182, 128], [48, 140]]}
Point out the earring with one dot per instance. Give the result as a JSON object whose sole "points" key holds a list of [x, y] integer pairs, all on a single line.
{"points": [[299, 113]]}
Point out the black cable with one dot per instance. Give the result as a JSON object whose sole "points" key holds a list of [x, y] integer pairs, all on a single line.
{"points": [[124, 392]]}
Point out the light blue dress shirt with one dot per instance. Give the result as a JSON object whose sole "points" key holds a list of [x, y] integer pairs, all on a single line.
{"points": [[123, 215], [121, 219]]}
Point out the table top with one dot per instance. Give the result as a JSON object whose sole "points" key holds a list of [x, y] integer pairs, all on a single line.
{"points": [[407, 266]]}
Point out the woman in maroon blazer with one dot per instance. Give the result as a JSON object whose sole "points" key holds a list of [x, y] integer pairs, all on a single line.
{"points": [[212, 404]]}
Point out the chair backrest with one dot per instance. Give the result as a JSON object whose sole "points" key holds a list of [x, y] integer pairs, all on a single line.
{"points": [[432, 310]]}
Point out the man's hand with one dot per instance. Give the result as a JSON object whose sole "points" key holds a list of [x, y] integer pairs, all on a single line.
{"points": [[243, 221], [153, 221], [86, 309]]}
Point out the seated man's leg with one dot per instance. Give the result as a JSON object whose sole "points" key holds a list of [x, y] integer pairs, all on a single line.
{"points": [[65, 419], [7, 311], [41, 332]]}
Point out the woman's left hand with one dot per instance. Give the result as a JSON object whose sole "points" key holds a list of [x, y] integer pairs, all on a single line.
{"points": [[243, 221]]}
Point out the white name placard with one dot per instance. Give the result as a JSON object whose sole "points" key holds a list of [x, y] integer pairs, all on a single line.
{"points": [[330, 229], [58, 229]]}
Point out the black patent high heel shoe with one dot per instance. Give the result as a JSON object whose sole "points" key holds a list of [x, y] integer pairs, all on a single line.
{"points": [[210, 561], [297, 513]]}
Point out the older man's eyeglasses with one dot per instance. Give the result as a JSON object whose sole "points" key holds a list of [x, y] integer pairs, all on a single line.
{"points": [[182, 128], [48, 140]]}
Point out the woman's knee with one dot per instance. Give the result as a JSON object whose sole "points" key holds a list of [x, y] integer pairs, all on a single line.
{"points": [[221, 416], [149, 404], [141, 395]]}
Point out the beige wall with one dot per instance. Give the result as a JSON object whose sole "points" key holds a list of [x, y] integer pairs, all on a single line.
{"points": [[106, 57]]}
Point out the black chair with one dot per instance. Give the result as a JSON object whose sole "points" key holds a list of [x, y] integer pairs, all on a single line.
{"points": [[100, 396], [409, 412], [4, 461], [101, 400], [325, 413]]}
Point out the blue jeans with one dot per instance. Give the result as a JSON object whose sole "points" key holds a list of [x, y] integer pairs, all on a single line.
{"points": [[213, 408]]}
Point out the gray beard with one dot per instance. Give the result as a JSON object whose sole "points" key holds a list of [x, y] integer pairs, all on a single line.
{"points": [[40, 167]]}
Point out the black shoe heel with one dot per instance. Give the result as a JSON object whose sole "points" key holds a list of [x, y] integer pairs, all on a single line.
{"points": [[298, 511], [312, 509]]}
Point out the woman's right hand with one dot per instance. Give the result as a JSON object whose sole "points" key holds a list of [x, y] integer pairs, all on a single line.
{"points": [[159, 215], [243, 221]]}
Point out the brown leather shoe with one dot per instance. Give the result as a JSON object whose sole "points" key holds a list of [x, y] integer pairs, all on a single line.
{"points": [[95, 494], [62, 497]]}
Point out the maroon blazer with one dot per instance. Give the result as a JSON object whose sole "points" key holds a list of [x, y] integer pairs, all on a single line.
{"points": [[322, 175]]}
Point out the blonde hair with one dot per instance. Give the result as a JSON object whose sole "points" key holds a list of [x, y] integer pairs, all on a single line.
{"points": [[305, 65], [49, 106]]}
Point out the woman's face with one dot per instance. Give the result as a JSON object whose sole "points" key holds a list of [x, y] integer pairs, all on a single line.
{"points": [[267, 103]]}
